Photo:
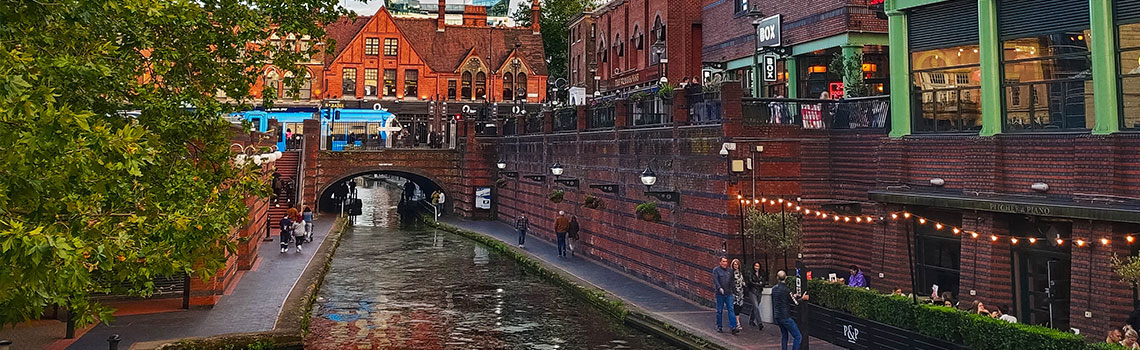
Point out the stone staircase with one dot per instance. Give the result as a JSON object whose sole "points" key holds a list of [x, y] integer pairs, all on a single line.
{"points": [[284, 199]]}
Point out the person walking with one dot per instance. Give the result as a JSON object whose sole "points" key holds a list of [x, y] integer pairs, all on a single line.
{"points": [[307, 216], [782, 302], [298, 231], [561, 225], [286, 233], [522, 224], [755, 280], [737, 291], [722, 288], [572, 234]]}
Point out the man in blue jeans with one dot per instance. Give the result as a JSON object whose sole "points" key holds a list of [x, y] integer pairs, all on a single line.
{"points": [[723, 287], [782, 302], [522, 225]]}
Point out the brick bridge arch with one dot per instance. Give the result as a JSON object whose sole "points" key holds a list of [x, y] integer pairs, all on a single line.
{"points": [[427, 182]]}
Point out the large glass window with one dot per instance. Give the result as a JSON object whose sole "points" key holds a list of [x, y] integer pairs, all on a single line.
{"points": [[1048, 82], [1129, 35], [391, 46], [370, 75], [481, 86], [389, 83], [947, 86], [466, 90], [411, 83], [372, 46], [938, 257], [348, 82]]}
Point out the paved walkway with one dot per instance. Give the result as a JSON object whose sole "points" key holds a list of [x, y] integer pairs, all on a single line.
{"points": [[252, 307], [657, 302]]}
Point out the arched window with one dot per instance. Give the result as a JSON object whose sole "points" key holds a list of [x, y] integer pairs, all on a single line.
{"points": [[619, 45], [481, 86], [508, 85], [465, 90], [602, 49], [658, 30], [272, 81], [520, 86]]}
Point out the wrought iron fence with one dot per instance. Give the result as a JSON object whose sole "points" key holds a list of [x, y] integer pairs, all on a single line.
{"points": [[565, 119], [601, 117], [705, 108], [853, 113], [349, 136], [510, 126], [534, 123], [650, 111], [486, 126]]}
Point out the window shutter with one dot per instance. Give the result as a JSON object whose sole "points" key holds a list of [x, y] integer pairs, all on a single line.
{"points": [[1127, 11], [1027, 18], [944, 24]]}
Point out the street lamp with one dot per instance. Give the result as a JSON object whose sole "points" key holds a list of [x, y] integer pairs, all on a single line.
{"points": [[648, 178], [756, 15], [557, 169], [501, 164]]}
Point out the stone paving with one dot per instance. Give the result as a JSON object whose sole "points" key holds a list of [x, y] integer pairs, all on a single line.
{"points": [[252, 307], [658, 303]]}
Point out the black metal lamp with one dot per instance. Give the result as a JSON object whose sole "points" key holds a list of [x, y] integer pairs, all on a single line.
{"points": [[557, 169], [648, 178]]}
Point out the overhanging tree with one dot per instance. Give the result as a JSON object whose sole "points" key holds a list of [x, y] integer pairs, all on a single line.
{"points": [[555, 16], [95, 200]]}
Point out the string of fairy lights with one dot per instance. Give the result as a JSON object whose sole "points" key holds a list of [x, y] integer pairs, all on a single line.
{"points": [[793, 206]]}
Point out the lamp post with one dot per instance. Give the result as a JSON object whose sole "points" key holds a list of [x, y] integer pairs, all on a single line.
{"points": [[648, 178], [755, 15], [662, 59], [557, 169]]}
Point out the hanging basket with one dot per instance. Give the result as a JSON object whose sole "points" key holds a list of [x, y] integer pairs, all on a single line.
{"points": [[556, 196], [648, 211]]}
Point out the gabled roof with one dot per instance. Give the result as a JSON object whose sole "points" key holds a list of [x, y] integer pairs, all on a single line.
{"points": [[445, 51], [342, 31]]}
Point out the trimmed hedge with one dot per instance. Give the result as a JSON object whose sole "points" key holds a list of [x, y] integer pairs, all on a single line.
{"points": [[974, 331]]}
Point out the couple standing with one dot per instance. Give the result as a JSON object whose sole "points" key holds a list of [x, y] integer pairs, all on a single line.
{"points": [[729, 285], [564, 228]]}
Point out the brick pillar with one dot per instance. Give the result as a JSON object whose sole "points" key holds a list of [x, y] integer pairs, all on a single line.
{"points": [[731, 96], [621, 114], [312, 132], [583, 117], [547, 121], [1094, 286], [986, 265], [680, 108]]}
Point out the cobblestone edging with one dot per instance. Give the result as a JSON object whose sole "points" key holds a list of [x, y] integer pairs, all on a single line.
{"points": [[605, 301], [293, 320]]}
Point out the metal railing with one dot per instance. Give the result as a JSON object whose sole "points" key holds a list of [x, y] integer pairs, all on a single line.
{"points": [[510, 126], [565, 119], [854, 113], [534, 124], [601, 117], [355, 136], [705, 108], [649, 112], [486, 127]]}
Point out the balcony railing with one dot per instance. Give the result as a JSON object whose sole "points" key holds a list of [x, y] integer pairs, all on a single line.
{"points": [[565, 119], [705, 108], [853, 113], [649, 112], [601, 117]]}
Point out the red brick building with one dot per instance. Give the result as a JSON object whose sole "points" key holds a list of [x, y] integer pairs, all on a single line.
{"points": [[386, 57], [639, 41], [812, 32], [582, 60]]}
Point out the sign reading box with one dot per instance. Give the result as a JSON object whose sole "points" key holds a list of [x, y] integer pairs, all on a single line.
{"points": [[768, 31]]}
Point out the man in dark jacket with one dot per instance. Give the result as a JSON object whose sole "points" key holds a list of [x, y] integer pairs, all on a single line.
{"points": [[723, 287], [522, 224], [755, 279], [286, 233], [782, 302]]}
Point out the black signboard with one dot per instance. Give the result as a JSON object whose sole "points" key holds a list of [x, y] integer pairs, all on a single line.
{"points": [[768, 31], [607, 188], [852, 332]]}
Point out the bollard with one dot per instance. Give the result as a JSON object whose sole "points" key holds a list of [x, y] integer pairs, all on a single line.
{"points": [[112, 342], [5, 344]]}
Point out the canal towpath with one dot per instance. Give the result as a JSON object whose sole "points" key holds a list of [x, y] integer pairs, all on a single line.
{"points": [[653, 301], [253, 305]]}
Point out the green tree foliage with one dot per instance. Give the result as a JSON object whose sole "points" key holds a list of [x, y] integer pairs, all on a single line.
{"points": [[554, 21], [774, 233], [95, 200], [850, 69]]}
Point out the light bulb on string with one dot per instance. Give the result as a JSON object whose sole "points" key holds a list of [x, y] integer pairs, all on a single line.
{"points": [[836, 217], [894, 216], [957, 231], [846, 219], [869, 219], [1013, 240], [1060, 242], [1080, 243], [798, 208], [906, 215], [974, 234], [1130, 239], [825, 216], [1104, 241], [921, 221], [739, 196], [993, 238], [858, 219], [781, 200], [938, 226], [1032, 240]]}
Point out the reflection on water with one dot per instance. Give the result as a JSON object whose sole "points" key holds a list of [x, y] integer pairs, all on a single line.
{"points": [[393, 288]]}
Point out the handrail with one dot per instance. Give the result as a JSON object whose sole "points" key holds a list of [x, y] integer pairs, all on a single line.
{"points": [[299, 193]]}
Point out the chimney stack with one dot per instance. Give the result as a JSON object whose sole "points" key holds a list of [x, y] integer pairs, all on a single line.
{"points": [[475, 16], [534, 16], [442, 13]]}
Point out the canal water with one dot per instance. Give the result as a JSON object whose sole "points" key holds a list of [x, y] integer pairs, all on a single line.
{"points": [[393, 287]]}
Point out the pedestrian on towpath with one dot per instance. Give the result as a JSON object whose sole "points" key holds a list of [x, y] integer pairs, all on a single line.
{"points": [[572, 234], [298, 230], [782, 302], [723, 288], [286, 233], [755, 281], [737, 292], [522, 224], [561, 225], [307, 216]]}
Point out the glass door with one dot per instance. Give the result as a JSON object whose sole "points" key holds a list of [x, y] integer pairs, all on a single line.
{"points": [[1042, 272]]}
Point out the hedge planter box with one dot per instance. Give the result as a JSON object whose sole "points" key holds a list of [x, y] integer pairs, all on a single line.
{"points": [[852, 332]]}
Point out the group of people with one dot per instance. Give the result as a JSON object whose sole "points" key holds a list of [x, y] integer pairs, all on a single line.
{"points": [[565, 229], [737, 290], [1127, 335], [296, 227]]}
